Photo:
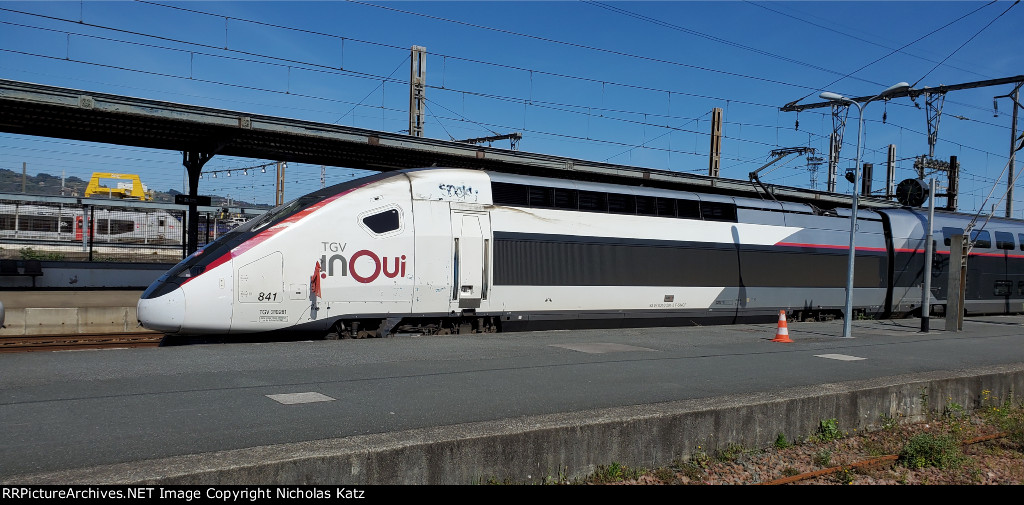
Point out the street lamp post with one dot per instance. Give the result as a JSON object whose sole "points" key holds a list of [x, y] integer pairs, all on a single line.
{"points": [[848, 310], [926, 289]]}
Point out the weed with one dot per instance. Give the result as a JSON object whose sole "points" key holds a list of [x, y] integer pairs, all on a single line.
{"points": [[828, 430], [875, 449], [1003, 414], [691, 468], [27, 253], [732, 452], [615, 472], [781, 442], [953, 410], [823, 458], [844, 475], [890, 423], [924, 450], [700, 458], [561, 479], [692, 471], [665, 475], [924, 401], [790, 471], [1013, 425]]}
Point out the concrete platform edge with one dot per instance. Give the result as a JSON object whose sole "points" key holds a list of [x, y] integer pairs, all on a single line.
{"points": [[529, 449]]}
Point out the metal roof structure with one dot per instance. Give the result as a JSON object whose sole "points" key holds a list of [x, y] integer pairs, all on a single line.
{"points": [[48, 111]]}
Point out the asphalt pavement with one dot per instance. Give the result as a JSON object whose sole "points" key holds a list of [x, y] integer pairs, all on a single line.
{"points": [[75, 410]]}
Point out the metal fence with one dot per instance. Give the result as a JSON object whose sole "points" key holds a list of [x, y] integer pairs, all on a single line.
{"points": [[81, 229]]}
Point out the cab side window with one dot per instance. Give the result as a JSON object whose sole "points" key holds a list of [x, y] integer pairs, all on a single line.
{"points": [[383, 222]]}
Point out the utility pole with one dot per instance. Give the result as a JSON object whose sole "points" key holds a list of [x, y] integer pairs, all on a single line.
{"points": [[954, 184], [24, 177], [417, 90], [890, 172], [926, 289], [323, 176], [840, 113], [1015, 97], [813, 162], [865, 180], [958, 250], [279, 198], [715, 161]]}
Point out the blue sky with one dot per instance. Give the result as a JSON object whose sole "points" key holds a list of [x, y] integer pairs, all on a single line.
{"points": [[621, 82]]}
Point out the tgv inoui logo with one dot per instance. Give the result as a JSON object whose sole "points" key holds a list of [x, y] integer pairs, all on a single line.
{"points": [[365, 271]]}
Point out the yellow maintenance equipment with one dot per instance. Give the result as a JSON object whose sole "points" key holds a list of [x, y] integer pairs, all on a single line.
{"points": [[127, 186]]}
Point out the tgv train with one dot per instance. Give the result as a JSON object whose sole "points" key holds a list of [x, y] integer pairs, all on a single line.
{"points": [[60, 223], [451, 250]]}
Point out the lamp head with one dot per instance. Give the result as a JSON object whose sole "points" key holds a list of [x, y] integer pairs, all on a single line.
{"points": [[834, 97], [895, 88]]}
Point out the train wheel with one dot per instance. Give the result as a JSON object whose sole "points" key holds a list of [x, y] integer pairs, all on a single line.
{"points": [[335, 332]]}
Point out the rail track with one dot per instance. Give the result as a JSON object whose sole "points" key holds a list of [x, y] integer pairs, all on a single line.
{"points": [[77, 342]]}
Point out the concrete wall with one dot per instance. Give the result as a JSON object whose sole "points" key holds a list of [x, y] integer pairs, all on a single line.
{"points": [[38, 312], [529, 449], [76, 297]]}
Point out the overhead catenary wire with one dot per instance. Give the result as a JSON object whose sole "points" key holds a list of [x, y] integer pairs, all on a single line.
{"points": [[965, 42], [672, 26], [317, 67], [865, 40], [240, 19], [532, 103], [899, 49]]}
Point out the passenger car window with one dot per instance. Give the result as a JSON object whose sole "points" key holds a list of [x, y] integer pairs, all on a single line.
{"points": [[542, 197], [688, 209], [593, 201], [948, 232], [566, 199], [382, 222], [716, 211], [981, 239], [646, 206], [666, 207], [1004, 240], [510, 194], [621, 204]]}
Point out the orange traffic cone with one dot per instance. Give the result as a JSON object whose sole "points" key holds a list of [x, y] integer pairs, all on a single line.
{"points": [[782, 335]]}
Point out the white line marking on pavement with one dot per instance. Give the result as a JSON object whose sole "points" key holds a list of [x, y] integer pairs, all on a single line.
{"points": [[596, 348], [840, 357], [293, 398]]}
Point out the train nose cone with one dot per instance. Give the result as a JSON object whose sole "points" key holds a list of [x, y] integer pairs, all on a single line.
{"points": [[163, 313]]}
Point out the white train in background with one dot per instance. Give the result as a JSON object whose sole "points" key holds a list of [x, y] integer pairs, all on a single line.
{"points": [[68, 224], [442, 250]]}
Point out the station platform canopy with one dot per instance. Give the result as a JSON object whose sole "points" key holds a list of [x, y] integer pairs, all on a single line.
{"points": [[48, 111]]}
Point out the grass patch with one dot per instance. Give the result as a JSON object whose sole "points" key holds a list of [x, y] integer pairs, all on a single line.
{"points": [[614, 472], [927, 450], [732, 452], [781, 442]]}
